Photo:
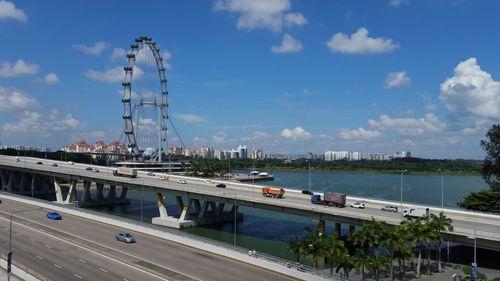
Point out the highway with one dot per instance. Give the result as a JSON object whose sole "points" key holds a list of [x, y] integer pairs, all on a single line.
{"points": [[80, 249], [487, 226]]}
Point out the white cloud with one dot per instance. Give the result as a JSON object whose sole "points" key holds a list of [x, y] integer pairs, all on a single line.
{"points": [[94, 50], [258, 135], [397, 3], [118, 54], [13, 100], [35, 124], [112, 75], [430, 106], [219, 137], [9, 10], [397, 80], [430, 123], [190, 118], [360, 43], [295, 134], [7, 69], [288, 45], [254, 14], [471, 92], [51, 79], [359, 133], [295, 19]]}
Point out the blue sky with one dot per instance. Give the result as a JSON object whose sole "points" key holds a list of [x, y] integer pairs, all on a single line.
{"points": [[287, 76]]}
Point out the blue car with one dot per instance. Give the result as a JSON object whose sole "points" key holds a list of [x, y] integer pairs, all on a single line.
{"points": [[54, 216]]}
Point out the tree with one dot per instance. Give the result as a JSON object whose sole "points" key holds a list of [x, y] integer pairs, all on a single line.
{"points": [[334, 250], [361, 261], [403, 250], [487, 200], [295, 245], [421, 234], [314, 246], [346, 263], [440, 224], [375, 262]]}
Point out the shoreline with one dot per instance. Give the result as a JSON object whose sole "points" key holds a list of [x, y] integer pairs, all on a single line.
{"points": [[366, 171]]}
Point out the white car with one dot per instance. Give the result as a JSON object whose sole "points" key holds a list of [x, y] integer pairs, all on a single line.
{"points": [[358, 205], [181, 181]]}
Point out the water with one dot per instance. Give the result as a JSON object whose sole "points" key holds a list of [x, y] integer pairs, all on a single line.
{"points": [[267, 231]]}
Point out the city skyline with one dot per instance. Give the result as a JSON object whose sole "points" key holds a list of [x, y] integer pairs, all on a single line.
{"points": [[287, 76]]}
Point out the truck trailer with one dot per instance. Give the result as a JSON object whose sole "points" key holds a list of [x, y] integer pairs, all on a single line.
{"points": [[330, 199], [418, 212], [125, 172], [274, 192]]}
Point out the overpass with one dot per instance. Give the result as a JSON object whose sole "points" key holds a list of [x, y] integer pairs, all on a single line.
{"points": [[206, 202]]}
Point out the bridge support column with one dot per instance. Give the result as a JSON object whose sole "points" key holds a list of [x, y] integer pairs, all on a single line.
{"points": [[220, 209], [123, 194], [10, 183], [24, 183], [321, 226], [57, 189], [203, 209], [186, 209], [86, 191], [112, 192], [338, 228], [3, 180], [99, 195], [33, 180], [69, 196], [180, 204]]}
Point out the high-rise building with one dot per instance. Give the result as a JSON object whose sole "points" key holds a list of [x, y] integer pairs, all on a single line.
{"points": [[242, 150], [257, 153]]}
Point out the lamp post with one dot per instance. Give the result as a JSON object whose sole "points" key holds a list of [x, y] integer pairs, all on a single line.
{"points": [[442, 189], [309, 174], [402, 172], [142, 199], [475, 244], [235, 212]]}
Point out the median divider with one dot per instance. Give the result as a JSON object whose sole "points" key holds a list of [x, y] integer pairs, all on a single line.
{"points": [[237, 253]]}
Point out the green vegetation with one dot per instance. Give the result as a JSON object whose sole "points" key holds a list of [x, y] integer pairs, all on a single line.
{"points": [[375, 247], [488, 200], [56, 155]]}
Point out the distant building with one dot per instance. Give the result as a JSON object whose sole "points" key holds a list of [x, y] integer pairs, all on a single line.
{"points": [[242, 151], [257, 153]]}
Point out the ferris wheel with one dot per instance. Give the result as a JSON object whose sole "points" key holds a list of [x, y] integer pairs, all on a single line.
{"points": [[145, 100]]}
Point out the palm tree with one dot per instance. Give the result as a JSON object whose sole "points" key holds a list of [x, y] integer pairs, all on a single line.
{"points": [[440, 224], [388, 239], [403, 250], [334, 249], [346, 263], [314, 246], [361, 261], [375, 262], [295, 245], [421, 233]]}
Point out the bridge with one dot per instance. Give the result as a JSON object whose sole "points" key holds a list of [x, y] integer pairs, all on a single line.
{"points": [[206, 203]]}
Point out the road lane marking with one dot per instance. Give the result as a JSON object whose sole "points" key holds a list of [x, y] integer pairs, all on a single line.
{"points": [[124, 279], [38, 257], [82, 261], [32, 239], [48, 246], [102, 269], [19, 234], [58, 266], [78, 276]]}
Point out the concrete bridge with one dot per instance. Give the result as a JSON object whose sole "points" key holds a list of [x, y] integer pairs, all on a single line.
{"points": [[206, 203]]}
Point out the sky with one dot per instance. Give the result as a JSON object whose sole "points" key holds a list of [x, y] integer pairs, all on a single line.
{"points": [[283, 75]]}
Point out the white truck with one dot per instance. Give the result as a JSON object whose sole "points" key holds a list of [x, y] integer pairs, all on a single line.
{"points": [[418, 212], [125, 172]]}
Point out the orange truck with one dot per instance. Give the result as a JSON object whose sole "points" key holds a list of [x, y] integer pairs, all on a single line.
{"points": [[274, 192]]}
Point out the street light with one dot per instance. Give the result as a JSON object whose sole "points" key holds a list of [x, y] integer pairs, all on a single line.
{"points": [[402, 172], [442, 189], [235, 212], [475, 243]]}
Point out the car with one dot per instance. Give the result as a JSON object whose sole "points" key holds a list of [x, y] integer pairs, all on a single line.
{"points": [[54, 216], [95, 170], [181, 181], [390, 208], [151, 174], [55, 165], [162, 178], [358, 205], [39, 163], [18, 160], [71, 163], [307, 191], [125, 237], [221, 185], [88, 168]]}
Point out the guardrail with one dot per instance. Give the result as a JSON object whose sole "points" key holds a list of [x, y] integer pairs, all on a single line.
{"points": [[18, 269]]}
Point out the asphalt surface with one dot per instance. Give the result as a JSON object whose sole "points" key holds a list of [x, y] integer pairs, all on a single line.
{"points": [[80, 249]]}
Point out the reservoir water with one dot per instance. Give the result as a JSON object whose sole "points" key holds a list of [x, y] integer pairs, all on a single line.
{"points": [[269, 232]]}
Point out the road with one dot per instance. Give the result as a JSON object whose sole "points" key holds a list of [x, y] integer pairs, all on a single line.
{"points": [[80, 249]]}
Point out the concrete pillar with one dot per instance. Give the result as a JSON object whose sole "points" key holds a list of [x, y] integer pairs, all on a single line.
{"points": [[321, 226], [69, 196], [24, 182], [161, 206], [180, 204], [338, 228], [352, 228], [197, 205], [233, 209], [3, 180], [220, 209], [213, 206], [203, 209], [10, 183], [123, 195], [86, 191], [99, 195], [57, 189], [186, 210], [33, 180], [112, 193]]}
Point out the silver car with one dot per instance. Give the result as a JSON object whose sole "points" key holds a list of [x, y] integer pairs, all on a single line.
{"points": [[125, 237], [390, 208]]}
